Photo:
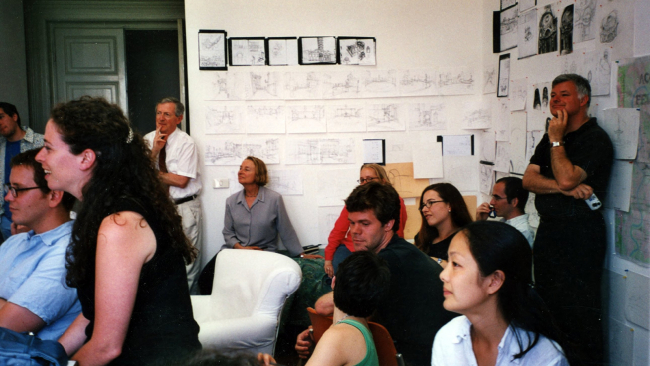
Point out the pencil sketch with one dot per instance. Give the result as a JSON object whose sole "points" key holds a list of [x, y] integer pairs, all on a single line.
{"points": [[532, 139], [265, 119], [283, 52], [456, 80], [583, 20], [357, 51], [518, 94], [508, 28], [418, 82], [317, 50], [527, 34], [247, 52], [478, 116], [609, 27], [337, 151], [456, 172], [212, 49], [223, 119], [526, 4], [488, 146], [306, 119], [379, 83], [547, 31], [341, 85], [232, 152], [304, 152], [518, 143], [622, 125], [570, 63], [286, 182], [566, 31], [486, 178], [385, 117], [345, 118], [225, 86], [264, 86], [502, 123], [327, 216], [504, 75], [427, 116], [502, 161], [490, 79], [597, 68], [303, 85]]}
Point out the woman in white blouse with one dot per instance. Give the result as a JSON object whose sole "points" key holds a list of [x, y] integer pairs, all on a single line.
{"points": [[488, 280]]}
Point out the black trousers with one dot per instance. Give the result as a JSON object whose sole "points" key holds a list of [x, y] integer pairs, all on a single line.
{"points": [[568, 256]]}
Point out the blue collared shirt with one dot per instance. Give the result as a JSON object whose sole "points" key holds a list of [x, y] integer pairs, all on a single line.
{"points": [[32, 140], [32, 275]]}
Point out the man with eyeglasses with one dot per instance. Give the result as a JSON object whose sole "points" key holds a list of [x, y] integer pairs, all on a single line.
{"points": [[33, 295], [14, 139], [508, 202]]}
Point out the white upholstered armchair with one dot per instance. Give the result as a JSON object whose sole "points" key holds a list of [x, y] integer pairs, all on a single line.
{"points": [[250, 288]]}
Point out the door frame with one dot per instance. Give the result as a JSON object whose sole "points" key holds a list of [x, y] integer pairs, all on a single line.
{"points": [[41, 16]]}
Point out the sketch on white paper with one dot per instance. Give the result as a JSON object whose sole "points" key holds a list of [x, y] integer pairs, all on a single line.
{"points": [[486, 178], [502, 123], [504, 75], [508, 28], [537, 105], [265, 119], [385, 117], [597, 68], [488, 146], [286, 182], [518, 143], [221, 119], [212, 49], [283, 51], [457, 145], [526, 4], [264, 85], [398, 149], [341, 85], [490, 79], [359, 51], [318, 50], [304, 151], [502, 161], [456, 172], [427, 116], [418, 82], [345, 118], [247, 52], [518, 93], [306, 119], [226, 86], [456, 80], [584, 19], [335, 186], [532, 139], [327, 216], [622, 125], [380, 83], [320, 151], [615, 22], [527, 33], [570, 63], [478, 116], [303, 85], [233, 152], [619, 189]]}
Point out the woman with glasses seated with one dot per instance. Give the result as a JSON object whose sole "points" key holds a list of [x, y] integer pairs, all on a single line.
{"points": [[339, 243], [443, 212]]}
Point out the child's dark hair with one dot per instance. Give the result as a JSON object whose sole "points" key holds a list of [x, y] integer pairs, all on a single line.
{"points": [[361, 281]]}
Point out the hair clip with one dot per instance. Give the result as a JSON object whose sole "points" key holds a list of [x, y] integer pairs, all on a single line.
{"points": [[129, 138]]}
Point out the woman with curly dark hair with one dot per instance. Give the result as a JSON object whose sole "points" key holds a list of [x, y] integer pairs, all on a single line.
{"points": [[443, 211], [127, 253]]}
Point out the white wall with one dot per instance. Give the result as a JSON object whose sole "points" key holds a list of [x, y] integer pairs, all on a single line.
{"points": [[13, 76]]}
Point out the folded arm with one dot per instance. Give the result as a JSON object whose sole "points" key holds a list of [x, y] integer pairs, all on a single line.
{"points": [[18, 318]]}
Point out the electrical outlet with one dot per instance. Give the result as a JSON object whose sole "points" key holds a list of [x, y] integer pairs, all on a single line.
{"points": [[221, 183]]}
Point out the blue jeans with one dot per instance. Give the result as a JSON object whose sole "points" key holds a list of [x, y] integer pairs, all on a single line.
{"points": [[5, 228]]}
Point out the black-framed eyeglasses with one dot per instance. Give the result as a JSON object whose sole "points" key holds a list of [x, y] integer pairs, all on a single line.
{"points": [[429, 203], [498, 198], [366, 180], [14, 191]]}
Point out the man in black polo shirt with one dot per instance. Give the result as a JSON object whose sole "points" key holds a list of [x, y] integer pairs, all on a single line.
{"points": [[572, 162], [412, 311]]}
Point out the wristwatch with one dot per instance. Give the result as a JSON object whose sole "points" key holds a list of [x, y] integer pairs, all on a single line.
{"points": [[556, 143]]}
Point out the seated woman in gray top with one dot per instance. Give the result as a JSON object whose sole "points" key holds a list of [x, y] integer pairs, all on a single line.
{"points": [[255, 215]]}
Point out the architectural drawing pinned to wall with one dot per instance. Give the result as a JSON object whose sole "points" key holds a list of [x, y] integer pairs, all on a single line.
{"points": [[502, 161], [634, 92], [305, 119], [399, 149], [282, 51], [584, 19], [303, 85], [317, 50], [532, 139], [518, 93], [619, 190], [224, 119], [380, 83], [622, 125], [457, 173], [517, 142], [488, 146], [502, 120], [427, 117], [265, 119], [341, 84], [486, 178], [566, 30], [418, 82], [264, 85], [212, 50], [234, 151], [226, 86], [386, 117], [504, 75], [615, 27], [527, 33], [508, 28], [320, 151], [286, 182], [490, 79], [304, 151], [456, 80], [247, 51], [547, 33], [478, 115], [327, 216], [335, 186], [346, 118], [597, 68], [357, 51]]}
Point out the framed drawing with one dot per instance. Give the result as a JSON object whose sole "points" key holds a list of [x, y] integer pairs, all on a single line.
{"points": [[246, 51], [281, 51], [356, 51], [212, 50], [504, 75], [317, 50]]}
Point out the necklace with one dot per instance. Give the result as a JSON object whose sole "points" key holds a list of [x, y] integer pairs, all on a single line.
{"points": [[342, 319]]}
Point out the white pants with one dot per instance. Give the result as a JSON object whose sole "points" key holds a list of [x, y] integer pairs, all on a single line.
{"points": [[191, 214]]}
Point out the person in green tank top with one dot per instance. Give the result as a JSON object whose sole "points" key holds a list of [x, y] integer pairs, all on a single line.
{"points": [[360, 282]]}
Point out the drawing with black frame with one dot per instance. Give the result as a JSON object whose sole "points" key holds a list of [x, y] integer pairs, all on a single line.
{"points": [[317, 50], [281, 51], [504, 75], [212, 49], [356, 51], [247, 51]]}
